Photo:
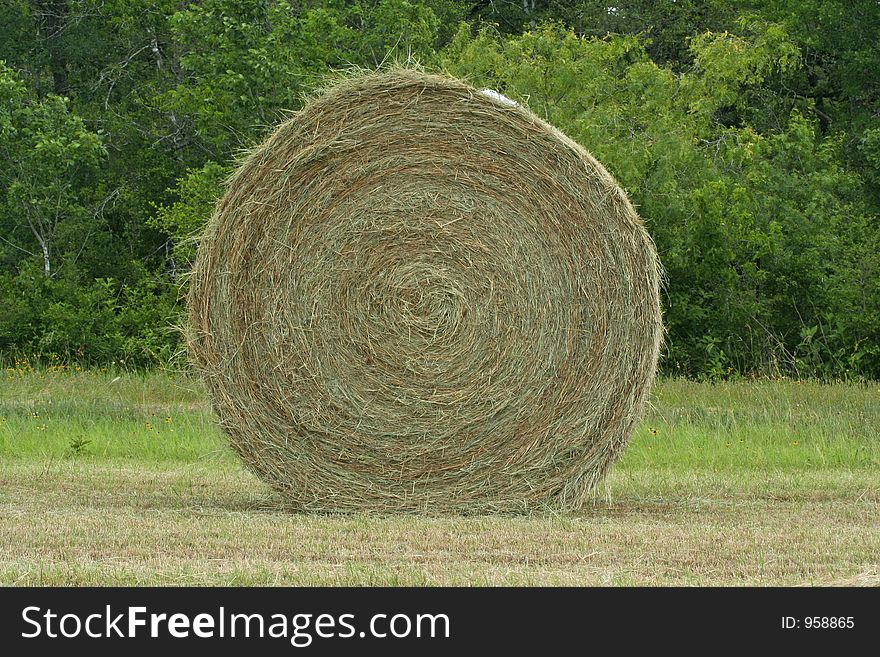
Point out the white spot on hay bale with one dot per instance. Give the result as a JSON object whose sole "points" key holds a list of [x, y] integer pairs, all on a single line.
{"points": [[499, 98]]}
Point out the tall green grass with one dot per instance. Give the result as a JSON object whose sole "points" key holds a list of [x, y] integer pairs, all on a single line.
{"points": [[58, 413], [760, 425]]}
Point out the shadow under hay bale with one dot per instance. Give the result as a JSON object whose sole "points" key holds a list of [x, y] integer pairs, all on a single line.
{"points": [[418, 297]]}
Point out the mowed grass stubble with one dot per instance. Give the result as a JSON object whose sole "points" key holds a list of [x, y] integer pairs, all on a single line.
{"points": [[768, 482]]}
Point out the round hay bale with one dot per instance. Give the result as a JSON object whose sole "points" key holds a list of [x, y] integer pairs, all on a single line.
{"points": [[416, 296]]}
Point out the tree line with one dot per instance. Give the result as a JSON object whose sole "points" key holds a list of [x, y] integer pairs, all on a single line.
{"points": [[747, 133]]}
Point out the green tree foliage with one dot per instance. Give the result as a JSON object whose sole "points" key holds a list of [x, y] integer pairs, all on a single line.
{"points": [[55, 238], [50, 159], [196, 193], [755, 227], [746, 132], [246, 62]]}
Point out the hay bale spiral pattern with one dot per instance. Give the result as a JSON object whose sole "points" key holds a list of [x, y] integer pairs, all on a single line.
{"points": [[417, 297]]}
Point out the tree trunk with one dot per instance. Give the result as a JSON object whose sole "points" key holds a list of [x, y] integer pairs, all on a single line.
{"points": [[47, 268], [53, 20]]}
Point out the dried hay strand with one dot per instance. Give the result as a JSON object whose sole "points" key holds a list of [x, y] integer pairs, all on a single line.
{"points": [[415, 297]]}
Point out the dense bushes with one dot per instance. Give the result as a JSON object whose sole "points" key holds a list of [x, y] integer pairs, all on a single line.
{"points": [[766, 236], [92, 325], [749, 141]]}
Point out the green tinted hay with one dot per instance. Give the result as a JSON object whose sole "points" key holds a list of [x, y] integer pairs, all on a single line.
{"points": [[417, 297]]}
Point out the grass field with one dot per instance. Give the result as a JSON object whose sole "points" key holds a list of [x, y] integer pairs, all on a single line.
{"points": [[113, 478]]}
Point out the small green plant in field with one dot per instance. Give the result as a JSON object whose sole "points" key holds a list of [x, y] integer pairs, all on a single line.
{"points": [[78, 445]]}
